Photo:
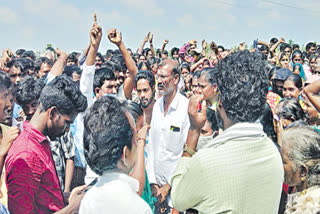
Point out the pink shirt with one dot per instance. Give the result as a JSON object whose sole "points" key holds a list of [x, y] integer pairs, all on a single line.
{"points": [[31, 178]]}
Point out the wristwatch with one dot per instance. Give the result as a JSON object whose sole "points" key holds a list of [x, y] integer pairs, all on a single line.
{"points": [[188, 150]]}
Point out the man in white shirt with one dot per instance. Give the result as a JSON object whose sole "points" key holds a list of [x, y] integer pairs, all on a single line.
{"points": [[101, 82], [110, 142], [169, 129]]}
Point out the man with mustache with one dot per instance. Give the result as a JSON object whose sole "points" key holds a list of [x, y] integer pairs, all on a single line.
{"points": [[169, 129], [145, 85]]}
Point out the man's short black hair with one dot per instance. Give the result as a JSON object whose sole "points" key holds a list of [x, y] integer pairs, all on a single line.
{"points": [[106, 132], [101, 57], [19, 52], [295, 46], [165, 52], [5, 82], [73, 57], [27, 64], [28, 90], [147, 75], [243, 84], [42, 60], [101, 75], [15, 62], [69, 70], [109, 53], [143, 63], [220, 46], [30, 54], [284, 46], [174, 49], [120, 63], [274, 40], [65, 95], [310, 45]]}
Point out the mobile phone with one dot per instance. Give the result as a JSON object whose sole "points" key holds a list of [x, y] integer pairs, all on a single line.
{"points": [[92, 183]]}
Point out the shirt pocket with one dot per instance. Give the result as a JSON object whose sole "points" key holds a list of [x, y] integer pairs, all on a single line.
{"points": [[174, 142]]}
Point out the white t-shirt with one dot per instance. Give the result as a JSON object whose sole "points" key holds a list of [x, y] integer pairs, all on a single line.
{"points": [[114, 193]]}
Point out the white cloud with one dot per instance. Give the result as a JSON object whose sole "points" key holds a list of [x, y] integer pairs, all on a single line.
{"points": [[220, 4], [144, 6], [264, 5], [52, 10], [8, 16], [114, 17], [274, 14], [187, 20], [28, 33]]}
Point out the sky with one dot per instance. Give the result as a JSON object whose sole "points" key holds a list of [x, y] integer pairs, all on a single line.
{"points": [[32, 24]]}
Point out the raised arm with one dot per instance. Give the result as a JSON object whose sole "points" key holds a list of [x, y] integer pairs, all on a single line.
{"points": [[274, 47], [58, 66], [165, 42], [312, 91], [138, 171], [197, 64], [95, 38], [204, 47], [87, 76], [197, 121], [145, 40], [115, 37], [150, 37]]}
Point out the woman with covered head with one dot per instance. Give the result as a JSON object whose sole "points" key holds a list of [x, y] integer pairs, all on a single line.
{"points": [[300, 152]]}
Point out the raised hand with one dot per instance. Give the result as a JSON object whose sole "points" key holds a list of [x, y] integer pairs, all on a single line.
{"points": [[282, 40], [114, 36], [166, 41], [95, 32], [193, 42], [242, 46], [94, 19], [61, 53], [204, 44], [150, 37], [7, 55], [197, 117]]}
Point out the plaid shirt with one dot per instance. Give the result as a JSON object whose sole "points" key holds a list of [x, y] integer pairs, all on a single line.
{"points": [[62, 149]]}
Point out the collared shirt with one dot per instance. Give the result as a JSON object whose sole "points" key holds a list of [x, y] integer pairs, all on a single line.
{"points": [[86, 87], [63, 149], [32, 181], [241, 172], [3, 188], [114, 193], [167, 137]]}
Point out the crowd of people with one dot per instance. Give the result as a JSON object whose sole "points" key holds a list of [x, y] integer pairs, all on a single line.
{"points": [[191, 130]]}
